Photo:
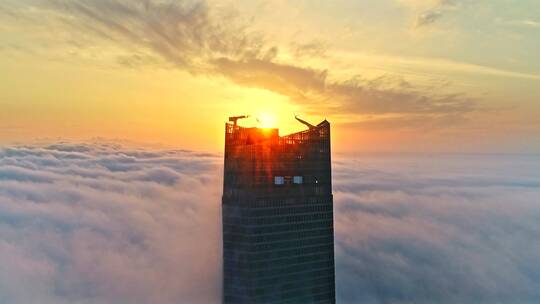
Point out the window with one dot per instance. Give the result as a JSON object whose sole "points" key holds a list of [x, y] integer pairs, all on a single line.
{"points": [[288, 180], [279, 180], [298, 180]]}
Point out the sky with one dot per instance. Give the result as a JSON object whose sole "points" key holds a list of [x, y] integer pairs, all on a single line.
{"points": [[112, 116], [102, 222], [390, 75]]}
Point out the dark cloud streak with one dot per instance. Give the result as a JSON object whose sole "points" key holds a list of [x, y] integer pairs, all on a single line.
{"points": [[182, 33], [436, 13]]}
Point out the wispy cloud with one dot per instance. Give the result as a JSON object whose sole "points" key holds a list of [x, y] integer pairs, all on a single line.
{"points": [[428, 17], [184, 34], [439, 66], [439, 10], [310, 49], [356, 95], [202, 40], [530, 23]]}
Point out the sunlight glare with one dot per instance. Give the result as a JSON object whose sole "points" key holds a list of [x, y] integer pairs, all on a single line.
{"points": [[267, 120]]}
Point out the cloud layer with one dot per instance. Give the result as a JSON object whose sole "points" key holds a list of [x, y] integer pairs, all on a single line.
{"points": [[438, 229], [103, 223]]}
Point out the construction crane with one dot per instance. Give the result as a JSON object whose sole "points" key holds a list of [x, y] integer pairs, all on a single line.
{"points": [[234, 119], [310, 126]]}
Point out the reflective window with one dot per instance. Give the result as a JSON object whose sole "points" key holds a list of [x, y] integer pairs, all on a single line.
{"points": [[279, 180], [298, 180]]}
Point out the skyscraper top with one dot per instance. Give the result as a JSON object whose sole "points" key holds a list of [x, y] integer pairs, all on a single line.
{"points": [[277, 215], [240, 135]]}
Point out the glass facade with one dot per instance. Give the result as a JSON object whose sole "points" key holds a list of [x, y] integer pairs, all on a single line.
{"points": [[277, 209]]}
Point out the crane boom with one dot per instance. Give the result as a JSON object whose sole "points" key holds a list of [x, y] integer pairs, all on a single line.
{"points": [[310, 126], [234, 119]]}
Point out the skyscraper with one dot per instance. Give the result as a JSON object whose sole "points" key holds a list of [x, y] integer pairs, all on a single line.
{"points": [[277, 208]]}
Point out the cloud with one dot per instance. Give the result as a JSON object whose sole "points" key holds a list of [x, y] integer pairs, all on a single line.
{"points": [[438, 10], [105, 223], [428, 17], [313, 49], [184, 34], [281, 78], [528, 23], [310, 87], [408, 122], [91, 223], [205, 40], [437, 229], [531, 23]]}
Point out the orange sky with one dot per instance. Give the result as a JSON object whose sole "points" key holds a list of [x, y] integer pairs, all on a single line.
{"points": [[415, 76]]}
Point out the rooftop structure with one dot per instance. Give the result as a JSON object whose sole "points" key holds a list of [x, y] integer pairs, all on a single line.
{"points": [[277, 208]]}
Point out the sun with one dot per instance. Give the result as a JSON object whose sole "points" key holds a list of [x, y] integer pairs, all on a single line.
{"points": [[266, 120]]}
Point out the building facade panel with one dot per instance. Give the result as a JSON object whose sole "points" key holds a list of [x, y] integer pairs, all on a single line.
{"points": [[277, 211]]}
